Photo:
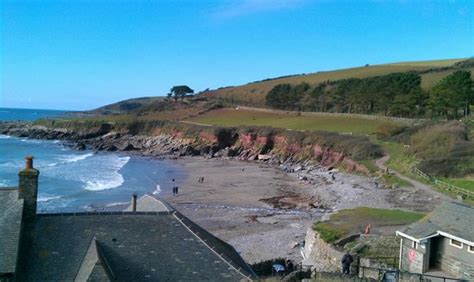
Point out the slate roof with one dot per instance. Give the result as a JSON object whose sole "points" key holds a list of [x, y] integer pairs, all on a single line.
{"points": [[164, 246], [453, 218], [11, 209], [148, 203]]}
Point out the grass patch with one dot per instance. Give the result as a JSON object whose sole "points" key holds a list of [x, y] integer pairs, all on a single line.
{"points": [[328, 232], [394, 180], [353, 221], [370, 165], [399, 160], [465, 183], [232, 117]]}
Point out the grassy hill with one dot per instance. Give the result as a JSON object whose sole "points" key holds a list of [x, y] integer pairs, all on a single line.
{"points": [[125, 106], [254, 93]]}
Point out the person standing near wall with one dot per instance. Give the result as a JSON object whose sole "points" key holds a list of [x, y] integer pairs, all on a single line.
{"points": [[346, 263]]}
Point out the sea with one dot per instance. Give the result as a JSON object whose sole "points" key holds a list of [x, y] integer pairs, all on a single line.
{"points": [[77, 181]]}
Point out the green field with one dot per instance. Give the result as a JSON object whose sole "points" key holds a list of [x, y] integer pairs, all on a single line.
{"points": [[231, 117], [352, 221]]}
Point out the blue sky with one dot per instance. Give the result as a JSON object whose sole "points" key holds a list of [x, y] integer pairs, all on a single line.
{"points": [[81, 54]]}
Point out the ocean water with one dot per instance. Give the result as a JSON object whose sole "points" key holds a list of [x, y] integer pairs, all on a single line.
{"points": [[27, 114], [83, 180]]}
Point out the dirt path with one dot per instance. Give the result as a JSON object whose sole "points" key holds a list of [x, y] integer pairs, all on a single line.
{"points": [[417, 186]]}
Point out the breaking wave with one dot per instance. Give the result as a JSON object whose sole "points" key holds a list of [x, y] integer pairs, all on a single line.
{"points": [[47, 199], [117, 204], [75, 158], [109, 177]]}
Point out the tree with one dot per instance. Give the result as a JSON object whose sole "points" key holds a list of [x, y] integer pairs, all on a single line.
{"points": [[277, 97], [180, 91], [452, 93]]}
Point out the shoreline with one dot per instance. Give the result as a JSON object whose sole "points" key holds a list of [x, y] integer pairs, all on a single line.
{"points": [[263, 208]]}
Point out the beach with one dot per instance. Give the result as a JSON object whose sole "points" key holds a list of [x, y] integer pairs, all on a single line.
{"points": [[229, 204], [264, 212]]}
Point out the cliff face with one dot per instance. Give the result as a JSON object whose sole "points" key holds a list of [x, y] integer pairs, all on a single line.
{"points": [[271, 146], [253, 146]]}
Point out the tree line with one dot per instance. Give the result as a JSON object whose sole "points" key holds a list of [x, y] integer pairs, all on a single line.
{"points": [[397, 94]]}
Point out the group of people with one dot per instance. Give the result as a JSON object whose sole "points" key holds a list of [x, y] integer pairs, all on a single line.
{"points": [[201, 179]]}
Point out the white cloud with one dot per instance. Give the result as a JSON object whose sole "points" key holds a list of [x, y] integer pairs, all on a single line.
{"points": [[239, 8]]}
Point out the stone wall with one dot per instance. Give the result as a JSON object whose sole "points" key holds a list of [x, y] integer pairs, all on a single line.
{"points": [[323, 256]]}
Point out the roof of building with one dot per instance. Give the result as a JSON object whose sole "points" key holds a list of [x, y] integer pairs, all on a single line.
{"points": [[450, 218], [10, 224], [127, 246], [149, 203]]}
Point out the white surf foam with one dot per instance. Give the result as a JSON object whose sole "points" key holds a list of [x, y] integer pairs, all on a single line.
{"points": [[47, 199], [109, 177], [6, 183], [4, 136], [158, 190], [75, 158], [117, 204]]}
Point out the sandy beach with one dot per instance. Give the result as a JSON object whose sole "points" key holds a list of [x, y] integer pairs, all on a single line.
{"points": [[264, 212], [228, 204]]}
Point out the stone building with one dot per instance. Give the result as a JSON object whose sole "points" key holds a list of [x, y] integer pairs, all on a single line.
{"points": [[150, 241], [440, 243]]}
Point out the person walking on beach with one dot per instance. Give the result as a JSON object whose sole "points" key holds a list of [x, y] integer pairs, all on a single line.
{"points": [[346, 263], [175, 188]]}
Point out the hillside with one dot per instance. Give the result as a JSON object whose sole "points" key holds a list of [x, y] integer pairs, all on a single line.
{"points": [[125, 106], [254, 93]]}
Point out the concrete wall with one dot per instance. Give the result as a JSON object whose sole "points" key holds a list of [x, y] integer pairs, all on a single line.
{"points": [[455, 261]]}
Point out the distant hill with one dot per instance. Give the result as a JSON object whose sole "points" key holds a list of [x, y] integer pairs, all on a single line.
{"points": [[431, 72], [126, 106]]}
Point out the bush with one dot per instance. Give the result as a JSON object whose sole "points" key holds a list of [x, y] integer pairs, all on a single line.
{"points": [[444, 149], [386, 131], [436, 142]]}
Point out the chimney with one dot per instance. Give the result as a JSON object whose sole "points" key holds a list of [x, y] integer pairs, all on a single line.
{"points": [[28, 189], [134, 202]]}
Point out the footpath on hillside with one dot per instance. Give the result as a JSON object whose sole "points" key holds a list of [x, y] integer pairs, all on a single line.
{"points": [[380, 163]]}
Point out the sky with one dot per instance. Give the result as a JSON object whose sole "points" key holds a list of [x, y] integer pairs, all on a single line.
{"points": [[82, 54]]}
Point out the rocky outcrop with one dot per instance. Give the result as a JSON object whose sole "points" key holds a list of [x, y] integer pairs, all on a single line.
{"points": [[220, 142]]}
